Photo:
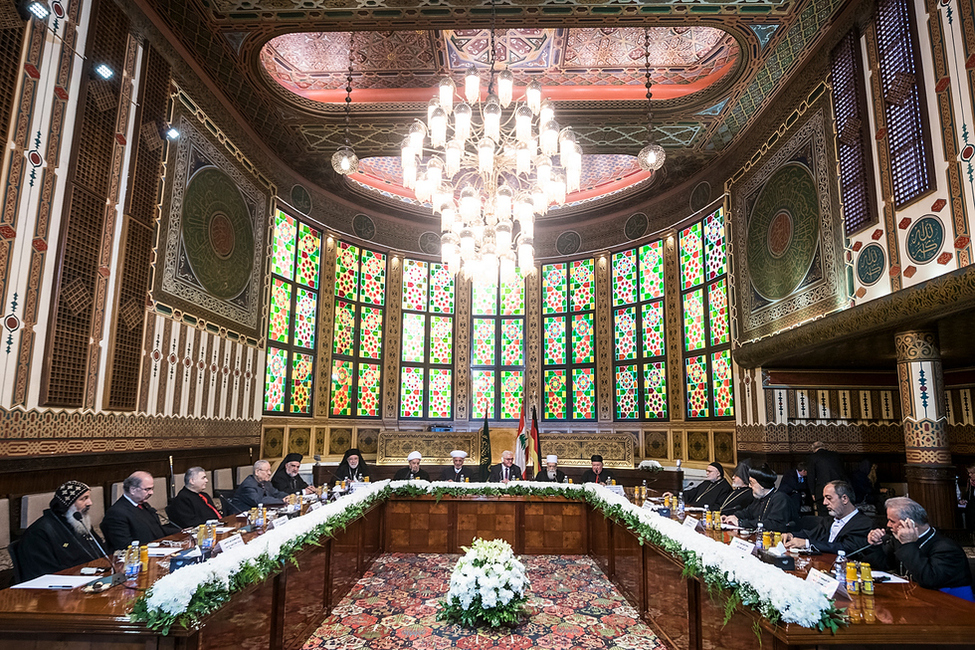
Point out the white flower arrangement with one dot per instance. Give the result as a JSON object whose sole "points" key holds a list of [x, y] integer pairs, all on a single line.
{"points": [[487, 585], [650, 466], [195, 590]]}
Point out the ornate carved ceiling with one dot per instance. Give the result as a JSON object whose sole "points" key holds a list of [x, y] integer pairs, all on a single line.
{"points": [[281, 65]]}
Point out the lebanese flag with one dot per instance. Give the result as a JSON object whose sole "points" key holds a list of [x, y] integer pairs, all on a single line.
{"points": [[522, 442], [534, 450]]}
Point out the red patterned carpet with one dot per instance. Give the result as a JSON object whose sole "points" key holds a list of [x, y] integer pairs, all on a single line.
{"points": [[394, 605]]}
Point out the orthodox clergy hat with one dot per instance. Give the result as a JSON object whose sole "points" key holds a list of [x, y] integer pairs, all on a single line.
{"points": [[551, 458], [67, 494], [415, 455], [457, 453], [290, 458], [716, 465], [596, 458]]}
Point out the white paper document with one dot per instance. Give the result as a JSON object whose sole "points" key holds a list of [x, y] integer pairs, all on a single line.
{"points": [[163, 551], [894, 580], [53, 581]]}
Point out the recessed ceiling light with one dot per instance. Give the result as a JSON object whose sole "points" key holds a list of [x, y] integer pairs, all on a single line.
{"points": [[104, 71], [39, 9], [172, 133]]}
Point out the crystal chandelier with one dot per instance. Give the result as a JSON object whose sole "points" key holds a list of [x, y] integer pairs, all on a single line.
{"points": [[488, 168], [651, 157]]}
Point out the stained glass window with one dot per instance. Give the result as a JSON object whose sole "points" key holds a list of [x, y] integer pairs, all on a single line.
{"points": [[498, 348], [292, 317], [569, 341], [705, 320], [357, 333], [638, 333], [426, 351]]}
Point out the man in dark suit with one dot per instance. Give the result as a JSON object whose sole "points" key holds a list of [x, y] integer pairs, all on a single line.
{"points": [[131, 518], [795, 486], [62, 537], [193, 506], [598, 473], [458, 473], [256, 489], [413, 471], [845, 529], [551, 472], [822, 467], [506, 470], [770, 508], [918, 551]]}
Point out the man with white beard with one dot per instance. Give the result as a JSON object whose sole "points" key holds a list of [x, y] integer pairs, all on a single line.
{"points": [[551, 473], [62, 537]]}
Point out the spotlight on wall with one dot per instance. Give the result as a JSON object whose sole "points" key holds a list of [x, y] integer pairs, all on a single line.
{"points": [[104, 71], [172, 133], [39, 9]]}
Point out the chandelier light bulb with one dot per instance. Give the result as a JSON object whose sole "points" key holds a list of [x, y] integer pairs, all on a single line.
{"points": [[467, 251], [533, 96], [526, 256], [502, 202], [492, 118], [523, 124], [527, 227], [450, 251], [485, 156], [651, 157], [566, 139], [470, 204], [345, 162], [540, 200], [438, 127], [546, 112], [472, 85], [462, 121], [523, 157], [558, 188], [447, 214], [423, 189], [453, 153], [417, 133], [434, 103], [502, 235], [549, 138], [506, 83], [435, 172], [543, 170], [506, 263], [446, 89], [442, 195]]}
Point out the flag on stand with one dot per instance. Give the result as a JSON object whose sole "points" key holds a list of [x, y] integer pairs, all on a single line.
{"points": [[534, 450], [485, 450], [521, 444]]}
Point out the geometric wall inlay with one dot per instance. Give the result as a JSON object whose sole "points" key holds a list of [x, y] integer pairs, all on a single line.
{"points": [[568, 243], [636, 226], [783, 232], [870, 264], [363, 227], [430, 243], [764, 33], [924, 239]]}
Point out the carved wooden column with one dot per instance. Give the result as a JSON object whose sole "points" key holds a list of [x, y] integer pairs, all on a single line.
{"points": [[930, 476]]}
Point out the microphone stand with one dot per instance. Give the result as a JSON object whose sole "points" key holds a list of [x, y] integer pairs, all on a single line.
{"points": [[111, 563]]}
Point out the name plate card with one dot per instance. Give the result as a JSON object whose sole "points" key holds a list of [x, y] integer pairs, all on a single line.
{"points": [[233, 541], [826, 583], [691, 522], [278, 522], [315, 505], [742, 545]]}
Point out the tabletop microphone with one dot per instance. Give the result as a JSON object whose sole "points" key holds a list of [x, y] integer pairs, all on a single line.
{"points": [[111, 563], [863, 548]]}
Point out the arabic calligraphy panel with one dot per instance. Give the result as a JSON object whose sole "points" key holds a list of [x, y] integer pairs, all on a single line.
{"points": [[924, 239], [870, 264]]}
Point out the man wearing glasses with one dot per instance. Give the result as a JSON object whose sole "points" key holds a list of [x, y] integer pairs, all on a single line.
{"points": [[131, 518]]}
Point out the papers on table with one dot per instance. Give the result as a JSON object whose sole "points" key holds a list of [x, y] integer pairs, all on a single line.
{"points": [[693, 509], [163, 551], [53, 581], [224, 529], [891, 578]]}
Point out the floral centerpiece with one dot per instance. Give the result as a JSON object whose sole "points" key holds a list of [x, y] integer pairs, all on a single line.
{"points": [[487, 586], [651, 466]]}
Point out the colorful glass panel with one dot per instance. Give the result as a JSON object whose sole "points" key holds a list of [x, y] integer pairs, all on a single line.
{"points": [[309, 253], [655, 390], [280, 317], [696, 372], [554, 287], [275, 375], [555, 394], [583, 394], [347, 272], [441, 289], [653, 329], [626, 393], [512, 339], [482, 342], [283, 257], [343, 336], [441, 397], [722, 393], [691, 256], [652, 271], [513, 297], [714, 245], [368, 404], [554, 343], [411, 392], [414, 285], [718, 312], [624, 324], [582, 286], [512, 386], [301, 374], [583, 339], [371, 333], [483, 400], [414, 338], [342, 387], [624, 277], [694, 320], [441, 339], [373, 278], [484, 300], [306, 305]]}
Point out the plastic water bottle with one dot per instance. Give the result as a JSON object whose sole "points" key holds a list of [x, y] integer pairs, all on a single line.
{"points": [[759, 544], [133, 563], [839, 567], [680, 504]]}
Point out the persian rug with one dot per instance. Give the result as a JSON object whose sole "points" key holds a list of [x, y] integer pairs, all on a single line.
{"points": [[572, 605]]}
